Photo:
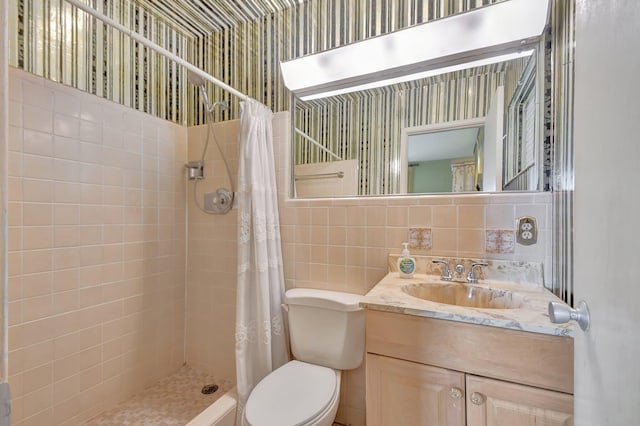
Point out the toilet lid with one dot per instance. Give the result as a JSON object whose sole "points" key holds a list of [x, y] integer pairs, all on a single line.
{"points": [[291, 395]]}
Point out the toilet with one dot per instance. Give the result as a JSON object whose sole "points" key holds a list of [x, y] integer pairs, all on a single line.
{"points": [[326, 331]]}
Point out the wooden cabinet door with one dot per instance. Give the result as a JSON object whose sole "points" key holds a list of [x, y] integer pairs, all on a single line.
{"points": [[409, 394], [497, 403]]}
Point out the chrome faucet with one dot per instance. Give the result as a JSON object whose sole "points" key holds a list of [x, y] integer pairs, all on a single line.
{"points": [[446, 272], [471, 277]]}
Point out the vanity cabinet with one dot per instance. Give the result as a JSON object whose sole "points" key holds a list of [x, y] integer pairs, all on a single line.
{"points": [[425, 371]]}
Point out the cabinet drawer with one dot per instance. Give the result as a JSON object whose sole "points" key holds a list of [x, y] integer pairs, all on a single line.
{"points": [[534, 359]]}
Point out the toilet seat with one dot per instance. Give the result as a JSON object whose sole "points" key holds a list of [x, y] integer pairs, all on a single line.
{"points": [[295, 394]]}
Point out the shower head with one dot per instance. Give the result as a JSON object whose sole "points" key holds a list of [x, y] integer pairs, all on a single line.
{"points": [[199, 82], [195, 79]]}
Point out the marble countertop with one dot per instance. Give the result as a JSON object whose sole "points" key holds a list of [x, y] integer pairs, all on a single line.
{"points": [[532, 316]]}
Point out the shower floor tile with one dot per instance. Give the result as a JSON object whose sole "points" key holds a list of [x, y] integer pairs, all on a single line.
{"points": [[173, 401]]}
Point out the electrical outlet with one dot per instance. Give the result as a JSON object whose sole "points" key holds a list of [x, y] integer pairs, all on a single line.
{"points": [[527, 233]]}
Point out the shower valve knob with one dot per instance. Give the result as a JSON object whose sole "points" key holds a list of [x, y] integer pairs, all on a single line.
{"points": [[220, 201]]}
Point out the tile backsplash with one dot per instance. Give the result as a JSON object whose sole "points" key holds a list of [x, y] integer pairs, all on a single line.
{"points": [[420, 239], [342, 244], [495, 270], [500, 241]]}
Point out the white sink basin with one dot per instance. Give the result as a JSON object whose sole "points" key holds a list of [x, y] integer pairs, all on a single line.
{"points": [[465, 295]]}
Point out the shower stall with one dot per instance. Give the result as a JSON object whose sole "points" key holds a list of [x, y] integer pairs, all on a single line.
{"points": [[104, 303]]}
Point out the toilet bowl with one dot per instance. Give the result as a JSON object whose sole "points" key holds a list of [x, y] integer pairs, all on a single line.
{"points": [[326, 331], [295, 394]]}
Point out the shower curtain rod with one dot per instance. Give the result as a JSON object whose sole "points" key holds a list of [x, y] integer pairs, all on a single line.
{"points": [[164, 52]]}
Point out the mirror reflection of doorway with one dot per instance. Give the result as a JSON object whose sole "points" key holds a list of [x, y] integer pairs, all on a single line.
{"points": [[444, 161]]}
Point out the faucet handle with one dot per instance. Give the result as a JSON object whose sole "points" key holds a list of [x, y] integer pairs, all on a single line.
{"points": [[446, 272], [471, 277]]}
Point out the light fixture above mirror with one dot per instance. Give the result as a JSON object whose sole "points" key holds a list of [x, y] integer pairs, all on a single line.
{"points": [[482, 36]]}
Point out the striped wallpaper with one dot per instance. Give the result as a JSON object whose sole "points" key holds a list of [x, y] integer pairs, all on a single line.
{"points": [[247, 56], [561, 144], [239, 42], [54, 40]]}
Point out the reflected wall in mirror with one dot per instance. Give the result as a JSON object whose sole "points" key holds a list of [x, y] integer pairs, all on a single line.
{"points": [[372, 126]]}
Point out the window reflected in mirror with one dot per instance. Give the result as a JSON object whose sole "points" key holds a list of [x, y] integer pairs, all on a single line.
{"points": [[521, 148]]}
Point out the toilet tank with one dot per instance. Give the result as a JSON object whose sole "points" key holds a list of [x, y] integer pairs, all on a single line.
{"points": [[326, 327]]}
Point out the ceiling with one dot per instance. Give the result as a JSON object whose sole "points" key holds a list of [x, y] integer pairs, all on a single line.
{"points": [[202, 17]]}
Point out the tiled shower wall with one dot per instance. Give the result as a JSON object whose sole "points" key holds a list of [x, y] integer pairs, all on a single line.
{"points": [[96, 251], [212, 259], [4, 136], [339, 244]]}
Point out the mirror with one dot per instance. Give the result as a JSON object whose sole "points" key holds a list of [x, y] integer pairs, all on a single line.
{"points": [[395, 139]]}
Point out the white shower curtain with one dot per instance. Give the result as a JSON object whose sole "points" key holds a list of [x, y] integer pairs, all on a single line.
{"points": [[261, 339]]}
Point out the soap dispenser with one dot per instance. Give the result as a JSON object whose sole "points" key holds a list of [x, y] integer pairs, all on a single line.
{"points": [[406, 264]]}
